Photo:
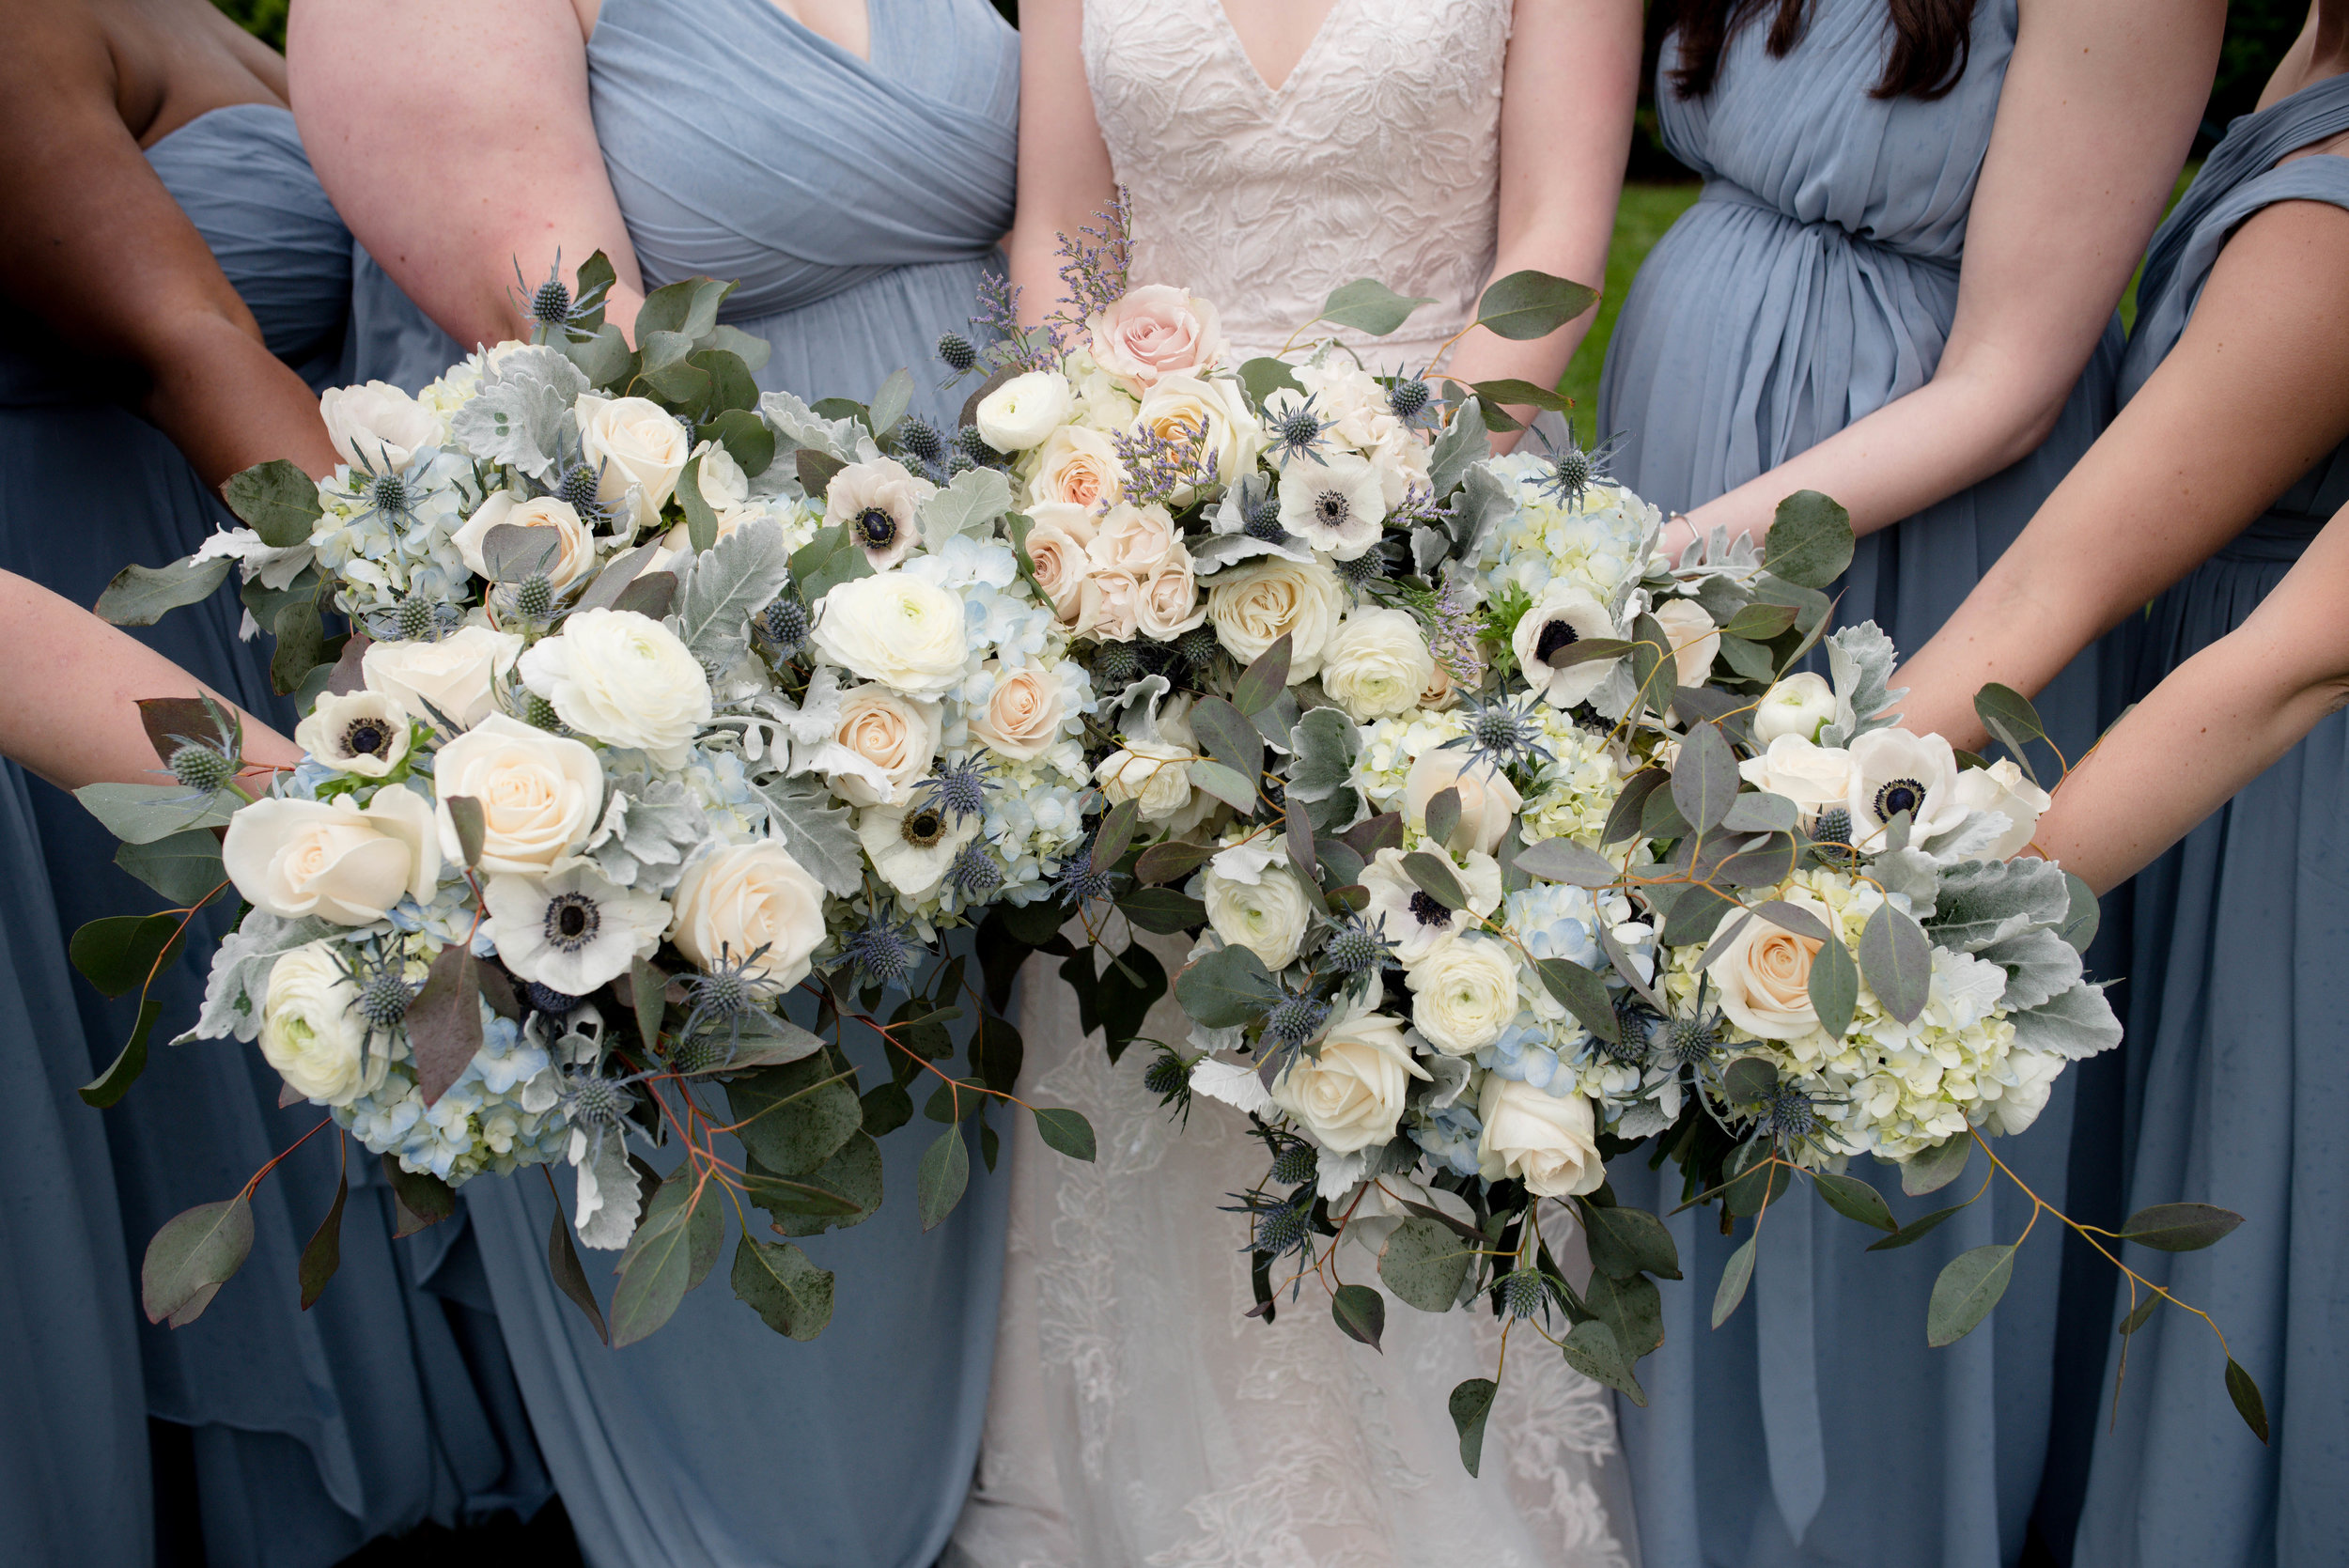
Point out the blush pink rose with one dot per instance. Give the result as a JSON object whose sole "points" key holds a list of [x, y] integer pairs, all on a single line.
{"points": [[1156, 330]]}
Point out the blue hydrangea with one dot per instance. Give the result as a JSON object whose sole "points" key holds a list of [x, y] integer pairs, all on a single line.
{"points": [[1449, 1136], [1554, 921]]}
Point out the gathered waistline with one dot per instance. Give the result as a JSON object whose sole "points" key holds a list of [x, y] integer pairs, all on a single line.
{"points": [[1729, 192]]}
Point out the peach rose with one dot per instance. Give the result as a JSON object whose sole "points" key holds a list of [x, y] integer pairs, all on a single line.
{"points": [[1764, 975], [1061, 568], [896, 734], [1169, 605], [1135, 540], [1024, 715], [1079, 467]]}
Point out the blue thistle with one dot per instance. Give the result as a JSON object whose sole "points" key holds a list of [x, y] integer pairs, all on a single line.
{"points": [[546, 1000], [1295, 1163], [957, 353], [922, 440], [1407, 396], [959, 789], [1293, 1020], [1504, 734], [1116, 666], [1297, 432], [883, 955], [1573, 470], [784, 624], [974, 874], [1078, 883], [1277, 1226], [1359, 946], [1197, 646], [552, 310], [1523, 1291], [202, 768]]}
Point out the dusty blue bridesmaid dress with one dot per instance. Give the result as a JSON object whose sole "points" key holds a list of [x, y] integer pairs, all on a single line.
{"points": [[1814, 281], [2236, 1046], [308, 1433], [860, 204]]}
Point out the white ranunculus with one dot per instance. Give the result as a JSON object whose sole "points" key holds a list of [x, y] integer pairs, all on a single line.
{"points": [[1253, 605], [1022, 715], [1488, 801], [1800, 705], [896, 734], [1376, 664], [901, 630], [377, 425], [455, 677], [745, 899], [1266, 916], [1023, 411], [312, 1031], [1547, 1141], [1693, 636], [573, 931], [333, 859], [1894, 771], [1415, 922], [1180, 407], [2001, 787], [879, 503], [1564, 616], [632, 441], [1351, 1098], [1337, 504], [1154, 773], [362, 733], [625, 679], [575, 544], [540, 793], [1763, 974], [913, 847], [1812, 777], [1464, 994], [1135, 540], [1168, 604], [1078, 467]]}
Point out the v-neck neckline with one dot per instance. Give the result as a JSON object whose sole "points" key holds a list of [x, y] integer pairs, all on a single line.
{"points": [[1312, 47]]}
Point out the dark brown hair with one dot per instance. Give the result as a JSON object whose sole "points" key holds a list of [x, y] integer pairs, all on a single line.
{"points": [[1931, 41]]}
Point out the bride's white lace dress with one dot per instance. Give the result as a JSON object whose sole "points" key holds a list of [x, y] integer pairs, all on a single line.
{"points": [[1138, 1418]]}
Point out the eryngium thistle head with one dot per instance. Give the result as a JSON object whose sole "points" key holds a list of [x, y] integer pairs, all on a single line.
{"points": [[699, 1054], [975, 873], [1357, 947], [1165, 1076], [955, 351], [1293, 1020], [959, 789], [1503, 735], [1264, 523], [534, 599], [538, 713], [592, 1099], [417, 619], [1079, 884], [1295, 1165], [1790, 1115], [389, 494], [1365, 568], [1297, 432], [546, 1000], [384, 997], [550, 303], [882, 955], [1117, 665], [577, 488], [1407, 396], [1687, 1041], [1197, 646], [201, 767], [784, 624], [1522, 1292], [922, 440], [975, 445], [1833, 827], [1635, 1031], [1282, 1228]]}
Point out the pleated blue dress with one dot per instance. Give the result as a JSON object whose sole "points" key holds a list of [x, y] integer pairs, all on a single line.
{"points": [[2235, 1042], [1814, 281], [309, 1433], [860, 205]]}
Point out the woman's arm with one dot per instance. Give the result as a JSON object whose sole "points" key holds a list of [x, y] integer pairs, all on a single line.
{"points": [[1065, 172], [2255, 391], [455, 138], [2219, 720], [92, 243], [2100, 104], [69, 710]]}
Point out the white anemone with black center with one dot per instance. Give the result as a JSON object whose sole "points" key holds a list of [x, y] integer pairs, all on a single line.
{"points": [[1337, 503], [574, 930], [363, 732], [1546, 635]]}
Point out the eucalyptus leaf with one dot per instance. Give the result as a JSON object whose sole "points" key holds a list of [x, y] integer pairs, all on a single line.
{"points": [[1436, 877], [1229, 737], [1809, 541], [783, 1286], [277, 500], [1855, 1199], [1164, 862], [2246, 1394], [890, 403], [445, 1021], [119, 954], [1514, 392], [1370, 306], [1225, 785], [1915, 1230], [1897, 960], [1472, 1403], [1967, 1289], [140, 595], [1532, 304], [1705, 780], [1834, 986], [1162, 910], [196, 1252], [653, 1278], [1226, 988], [746, 438], [1735, 1275], [570, 1278], [1752, 813], [1581, 992], [1563, 860], [1361, 1313], [1425, 1264], [944, 1173], [1591, 1349], [1065, 1131], [1261, 684], [796, 1116], [1628, 1241], [2180, 1227], [1932, 1168]]}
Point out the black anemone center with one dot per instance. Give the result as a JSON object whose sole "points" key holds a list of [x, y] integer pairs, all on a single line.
{"points": [[1427, 911], [366, 738], [878, 528], [1900, 795], [925, 828], [1555, 637], [1332, 508], [571, 921]]}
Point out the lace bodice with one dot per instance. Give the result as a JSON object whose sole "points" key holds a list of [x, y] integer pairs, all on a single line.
{"points": [[1378, 157]]}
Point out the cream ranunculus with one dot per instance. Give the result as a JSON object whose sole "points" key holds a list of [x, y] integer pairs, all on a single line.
{"points": [[1023, 411], [1564, 616], [362, 733], [540, 793], [1079, 468], [1268, 916], [896, 734], [1061, 568], [331, 857], [455, 677], [625, 679], [1337, 504], [1023, 713], [900, 631], [745, 899], [1376, 664], [1351, 1098], [1797, 705], [632, 441], [1546, 1140], [1135, 540], [574, 545], [1488, 801], [1694, 638], [312, 1031], [1812, 777], [1180, 407], [1464, 994], [879, 503], [377, 425], [1153, 773], [2001, 787], [1763, 974], [1253, 606], [1154, 331], [1894, 771], [1168, 604], [913, 847]]}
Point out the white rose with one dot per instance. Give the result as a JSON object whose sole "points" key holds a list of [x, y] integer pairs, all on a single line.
{"points": [[745, 899], [1253, 606], [1465, 993], [1268, 916], [723, 483], [455, 677], [331, 857], [1564, 616], [1488, 801], [363, 733], [1135, 540], [632, 441], [377, 425], [1352, 1097], [312, 1031], [1800, 705], [1763, 975], [896, 734], [1546, 1140], [913, 847], [1894, 771], [1377, 664], [1812, 777], [1336, 505], [1023, 411], [1693, 636], [1023, 713], [1078, 467], [1061, 568], [1180, 408], [1152, 772], [625, 679], [879, 503], [575, 545], [1168, 604], [2001, 787], [901, 630], [540, 793]]}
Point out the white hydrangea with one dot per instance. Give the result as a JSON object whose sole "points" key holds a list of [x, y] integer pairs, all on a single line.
{"points": [[1600, 545]]}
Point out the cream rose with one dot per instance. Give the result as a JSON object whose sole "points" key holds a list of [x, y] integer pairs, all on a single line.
{"points": [[632, 441], [1268, 916], [723, 484], [1181, 408], [574, 545], [1376, 664], [1154, 331], [625, 679], [1023, 411], [377, 425], [1135, 540], [1812, 777], [896, 734], [1488, 801], [1253, 606], [1352, 1096], [1546, 1140], [362, 733], [1078, 467], [1168, 604], [1797, 705], [1108, 607], [1061, 568], [455, 677], [540, 793], [736, 901], [334, 858], [900, 631], [1763, 975], [2001, 787], [312, 1031], [1464, 994], [879, 503], [1693, 636], [1023, 713], [1152, 772]]}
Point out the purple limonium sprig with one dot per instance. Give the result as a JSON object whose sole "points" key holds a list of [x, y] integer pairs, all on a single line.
{"points": [[1095, 263], [1159, 466], [1451, 635]]}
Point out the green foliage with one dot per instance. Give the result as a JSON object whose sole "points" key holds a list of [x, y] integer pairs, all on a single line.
{"points": [[264, 19]]}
